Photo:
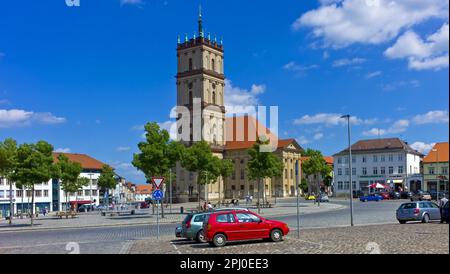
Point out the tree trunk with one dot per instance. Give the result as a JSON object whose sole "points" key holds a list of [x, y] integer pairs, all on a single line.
{"points": [[32, 205], [259, 194], [11, 206], [219, 191]]}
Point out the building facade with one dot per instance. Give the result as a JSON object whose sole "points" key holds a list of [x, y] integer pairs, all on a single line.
{"points": [[435, 168], [201, 92], [390, 162], [143, 192]]}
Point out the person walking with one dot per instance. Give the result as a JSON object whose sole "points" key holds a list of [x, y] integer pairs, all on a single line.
{"points": [[442, 203]]}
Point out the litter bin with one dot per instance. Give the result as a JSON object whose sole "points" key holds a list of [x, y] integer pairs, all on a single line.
{"points": [[181, 210]]}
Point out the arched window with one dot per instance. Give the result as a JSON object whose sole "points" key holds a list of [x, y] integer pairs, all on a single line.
{"points": [[191, 101], [190, 64], [213, 65], [214, 97]]}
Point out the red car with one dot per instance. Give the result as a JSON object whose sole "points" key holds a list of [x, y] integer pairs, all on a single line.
{"points": [[385, 195], [222, 227]]}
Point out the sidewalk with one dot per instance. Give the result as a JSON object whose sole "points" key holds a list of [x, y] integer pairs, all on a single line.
{"points": [[145, 216]]}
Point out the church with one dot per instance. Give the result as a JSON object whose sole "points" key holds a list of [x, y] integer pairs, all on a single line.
{"points": [[202, 115]]}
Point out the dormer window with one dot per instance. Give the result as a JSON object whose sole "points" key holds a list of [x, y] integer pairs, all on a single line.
{"points": [[190, 64]]}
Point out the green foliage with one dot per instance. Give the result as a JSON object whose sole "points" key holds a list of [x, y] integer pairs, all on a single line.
{"points": [[34, 163], [68, 173], [199, 158], [263, 164], [316, 164], [304, 185], [158, 154], [107, 178], [8, 158], [226, 168]]}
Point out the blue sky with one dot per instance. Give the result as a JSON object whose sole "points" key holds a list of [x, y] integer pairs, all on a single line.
{"points": [[87, 78]]}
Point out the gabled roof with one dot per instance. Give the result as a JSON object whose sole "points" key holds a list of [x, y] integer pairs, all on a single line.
{"points": [[144, 189], [242, 133], [439, 153], [374, 145], [328, 159], [84, 160]]}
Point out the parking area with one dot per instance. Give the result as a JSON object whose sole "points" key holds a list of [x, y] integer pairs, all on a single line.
{"points": [[412, 238]]}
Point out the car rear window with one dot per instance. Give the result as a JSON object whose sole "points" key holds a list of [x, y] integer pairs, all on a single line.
{"points": [[199, 218], [225, 218], [188, 217], [408, 206]]}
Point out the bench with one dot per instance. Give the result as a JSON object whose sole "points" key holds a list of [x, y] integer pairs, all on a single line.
{"points": [[118, 212], [62, 214], [265, 205]]}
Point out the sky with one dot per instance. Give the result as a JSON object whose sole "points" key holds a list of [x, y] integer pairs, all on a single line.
{"points": [[87, 78]]}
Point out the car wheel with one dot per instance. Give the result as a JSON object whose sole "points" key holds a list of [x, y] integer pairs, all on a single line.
{"points": [[426, 219], [219, 240], [276, 235], [200, 237], [402, 222]]}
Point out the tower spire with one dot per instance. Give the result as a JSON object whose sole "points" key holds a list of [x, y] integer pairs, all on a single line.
{"points": [[200, 21]]}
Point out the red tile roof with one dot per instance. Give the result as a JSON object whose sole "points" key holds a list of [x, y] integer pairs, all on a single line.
{"points": [[86, 161], [243, 131], [438, 153], [328, 159], [144, 189]]}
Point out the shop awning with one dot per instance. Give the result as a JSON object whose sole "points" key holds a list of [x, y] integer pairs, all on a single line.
{"points": [[80, 202]]}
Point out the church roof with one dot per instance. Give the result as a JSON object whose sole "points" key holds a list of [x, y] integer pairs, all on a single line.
{"points": [[242, 133]]}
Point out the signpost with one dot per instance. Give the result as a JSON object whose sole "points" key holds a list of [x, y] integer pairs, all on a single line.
{"points": [[298, 198], [157, 195]]}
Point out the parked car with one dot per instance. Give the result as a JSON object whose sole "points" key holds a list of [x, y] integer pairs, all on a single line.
{"points": [[418, 211], [371, 197], [310, 197], [192, 227], [421, 196], [434, 194], [226, 226], [324, 198], [406, 195], [144, 205], [230, 209], [444, 217], [385, 195], [395, 195], [357, 194]]}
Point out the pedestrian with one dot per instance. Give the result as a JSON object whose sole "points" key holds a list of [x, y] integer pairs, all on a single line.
{"points": [[210, 207], [442, 203], [205, 206]]}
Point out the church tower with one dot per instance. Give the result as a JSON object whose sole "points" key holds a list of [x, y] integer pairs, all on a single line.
{"points": [[200, 90], [201, 77]]}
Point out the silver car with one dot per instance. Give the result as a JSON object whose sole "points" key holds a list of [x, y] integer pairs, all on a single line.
{"points": [[418, 211]]}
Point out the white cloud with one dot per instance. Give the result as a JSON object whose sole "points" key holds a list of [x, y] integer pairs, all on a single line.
{"points": [[302, 140], [398, 127], [131, 2], [432, 117], [348, 62], [373, 74], [238, 100], [123, 149], [63, 150], [422, 55], [318, 136], [342, 23], [400, 84], [20, 118], [293, 66], [331, 119], [422, 147]]}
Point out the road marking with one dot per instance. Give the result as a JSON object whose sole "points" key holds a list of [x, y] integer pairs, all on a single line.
{"points": [[176, 248], [126, 247]]}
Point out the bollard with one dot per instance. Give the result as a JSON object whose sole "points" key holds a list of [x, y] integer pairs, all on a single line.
{"points": [[181, 210]]}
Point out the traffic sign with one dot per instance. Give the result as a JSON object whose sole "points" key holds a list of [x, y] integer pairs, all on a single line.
{"points": [[157, 195], [158, 181]]}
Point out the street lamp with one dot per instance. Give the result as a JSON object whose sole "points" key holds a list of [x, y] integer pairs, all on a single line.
{"points": [[350, 167], [90, 187]]}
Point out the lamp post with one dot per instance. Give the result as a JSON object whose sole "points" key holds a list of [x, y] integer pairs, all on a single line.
{"points": [[350, 167], [438, 179], [90, 187]]}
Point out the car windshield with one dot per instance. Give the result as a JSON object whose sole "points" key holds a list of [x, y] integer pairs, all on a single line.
{"points": [[408, 206]]}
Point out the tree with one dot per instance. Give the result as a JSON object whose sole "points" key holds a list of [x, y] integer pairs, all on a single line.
{"points": [[316, 165], [200, 159], [263, 165], [68, 174], [34, 166], [158, 154], [107, 180], [226, 169], [8, 163], [304, 185]]}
